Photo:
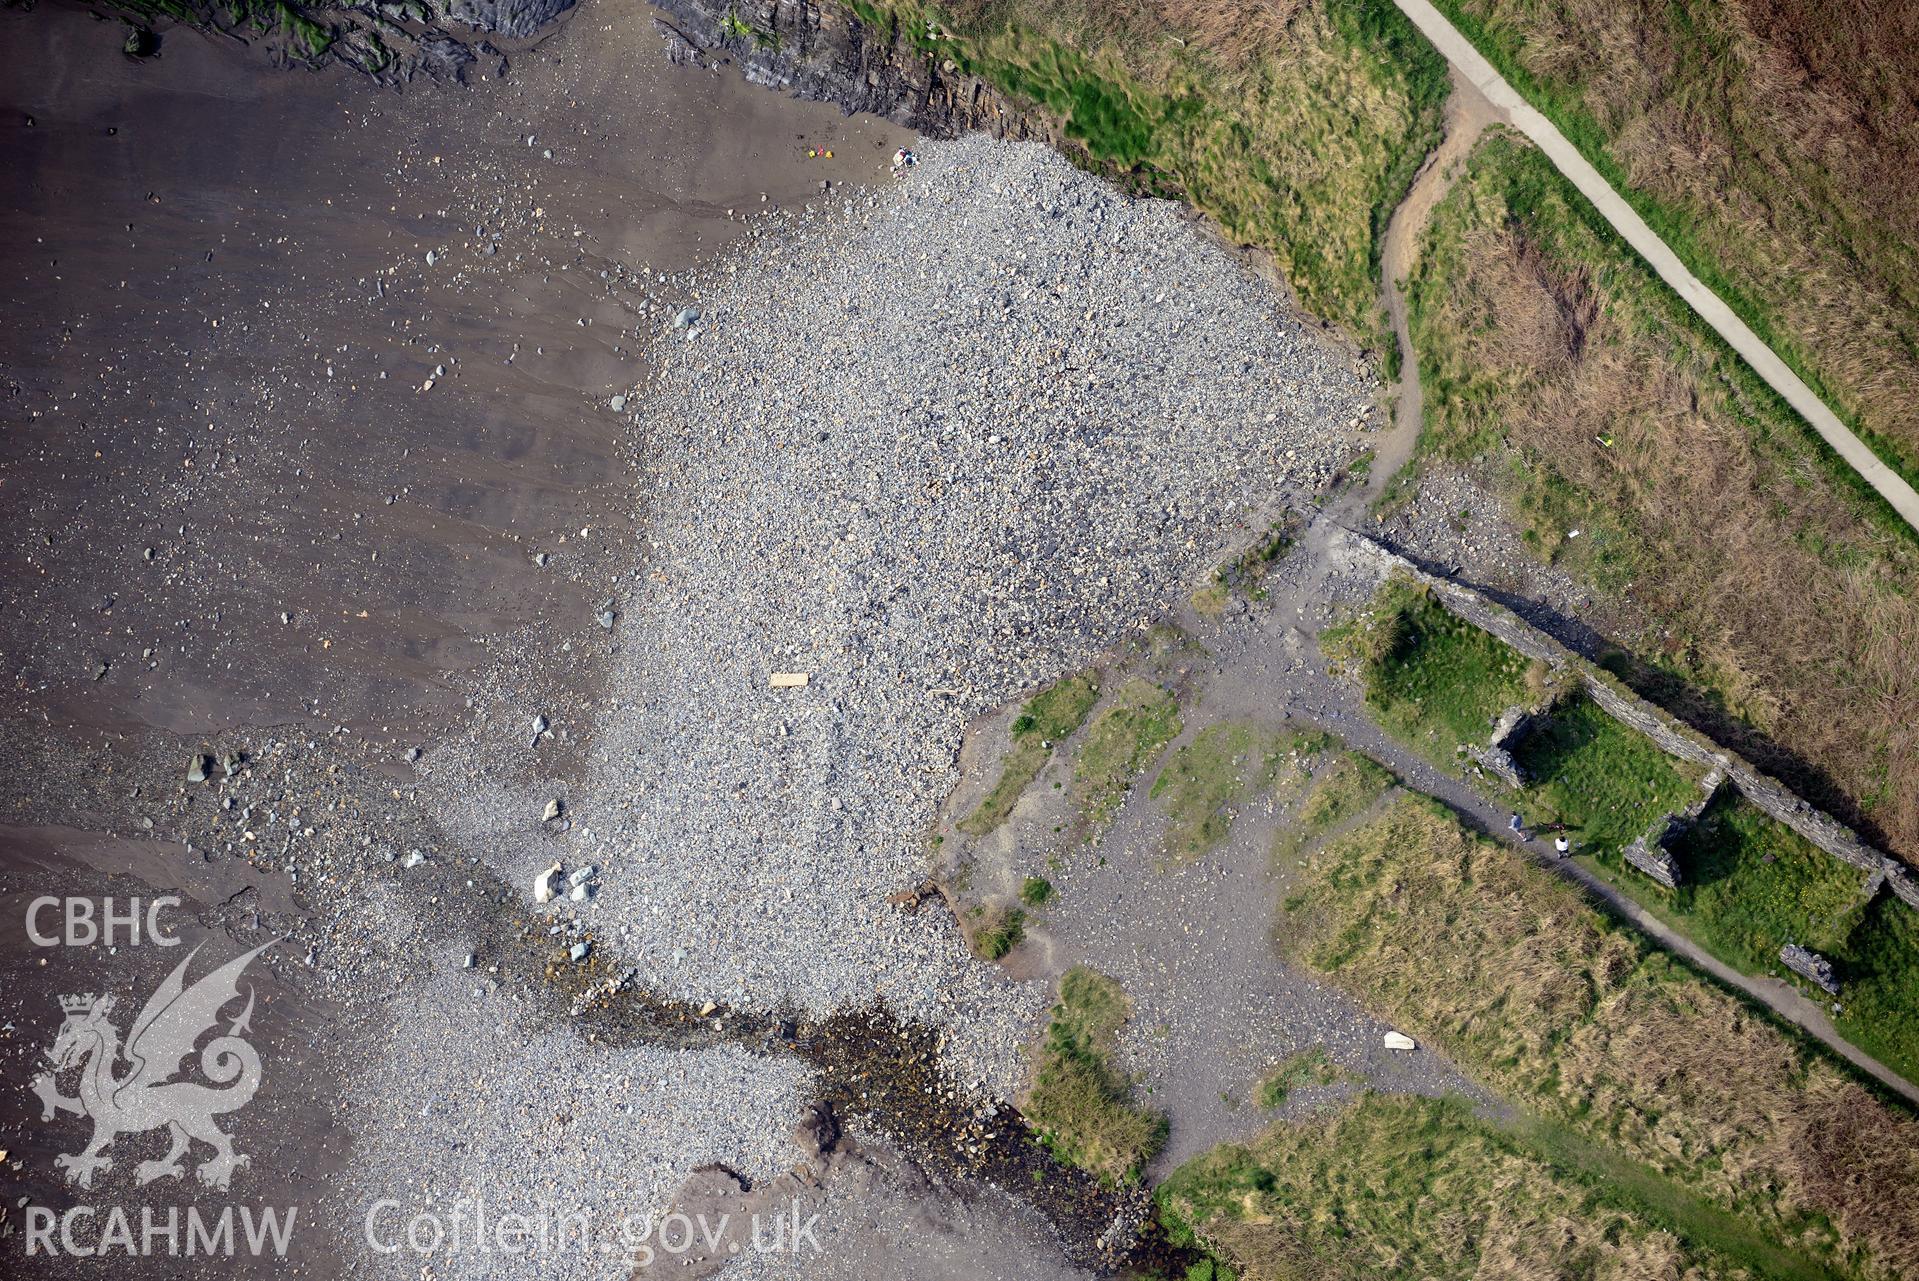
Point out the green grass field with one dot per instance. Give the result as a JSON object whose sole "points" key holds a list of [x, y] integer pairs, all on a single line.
{"points": [[1753, 885], [1435, 681], [1606, 782], [1879, 971]]}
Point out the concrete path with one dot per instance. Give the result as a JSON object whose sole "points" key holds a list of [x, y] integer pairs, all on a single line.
{"points": [[1468, 63]]}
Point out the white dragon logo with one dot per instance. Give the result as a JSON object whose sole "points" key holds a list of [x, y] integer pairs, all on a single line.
{"points": [[145, 1096]]}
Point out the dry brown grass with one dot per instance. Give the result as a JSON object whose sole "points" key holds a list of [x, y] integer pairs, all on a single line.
{"points": [[1407, 1187], [1786, 132], [1240, 31], [1751, 570], [1544, 313], [1529, 989]]}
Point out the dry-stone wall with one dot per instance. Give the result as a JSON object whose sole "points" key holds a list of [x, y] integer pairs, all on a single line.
{"points": [[1611, 694]]}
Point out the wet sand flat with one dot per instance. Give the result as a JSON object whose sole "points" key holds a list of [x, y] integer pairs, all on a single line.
{"points": [[223, 316]]}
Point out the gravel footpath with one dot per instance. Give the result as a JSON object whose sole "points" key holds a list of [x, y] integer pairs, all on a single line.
{"points": [[932, 447]]}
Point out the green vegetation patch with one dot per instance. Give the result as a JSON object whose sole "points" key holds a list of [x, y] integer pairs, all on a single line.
{"points": [[1339, 791], [1050, 716], [1210, 600], [999, 931], [309, 37], [1205, 780], [1036, 891], [306, 37], [1508, 971], [1308, 1067], [1245, 574], [1122, 740], [1753, 885], [1401, 1186], [1607, 782], [1079, 1100], [1879, 978], [739, 29], [1431, 678], [1297, 129]]}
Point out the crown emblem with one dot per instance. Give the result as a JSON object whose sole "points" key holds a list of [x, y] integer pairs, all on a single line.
{"points": [[81, 1003]]}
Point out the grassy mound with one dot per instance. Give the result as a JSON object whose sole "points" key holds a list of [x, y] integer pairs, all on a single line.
{"points": [[1123, 740], [1079, 1099], [1431, 678], [1205, 781], [1339, 791]]}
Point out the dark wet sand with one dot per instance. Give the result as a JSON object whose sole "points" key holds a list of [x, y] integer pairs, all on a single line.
{"points": [[210, 263], [291, 1132]]}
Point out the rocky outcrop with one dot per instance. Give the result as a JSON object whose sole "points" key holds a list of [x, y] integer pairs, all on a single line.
{"points": [[828, 53], [825, 52], [515, 19], [392, 41]]}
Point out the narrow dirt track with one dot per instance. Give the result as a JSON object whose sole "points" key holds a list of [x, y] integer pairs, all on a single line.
{"points": [[1467, 115]]}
